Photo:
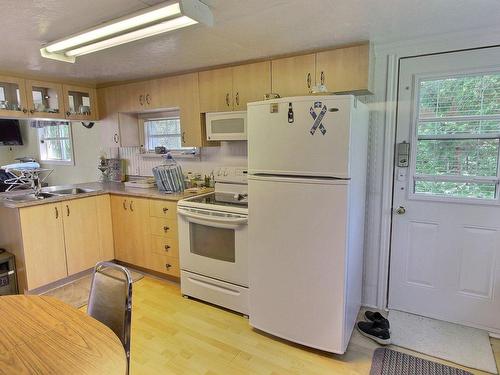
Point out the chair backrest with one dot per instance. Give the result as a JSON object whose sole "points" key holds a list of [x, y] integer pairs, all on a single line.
{"points": [[110, 300]]}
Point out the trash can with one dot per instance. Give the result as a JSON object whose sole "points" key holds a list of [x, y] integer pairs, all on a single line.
{"points": [[8, 276]]}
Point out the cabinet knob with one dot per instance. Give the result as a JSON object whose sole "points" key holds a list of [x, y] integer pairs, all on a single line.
{"points": [[148, 99], [167, 247], [165, 229], [308, 80], [32, 111], [237, 98], [115, 138], [25, 110], [165, 209], [131, 206], [322, 78], [57, 212], [227, 99], [125, 204], [68, 113], [167, 266], [183, 137], [67, 210], [141, 100]]}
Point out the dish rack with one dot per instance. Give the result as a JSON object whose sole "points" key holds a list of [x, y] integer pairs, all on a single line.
{"points": [[169, 178], [27, 177]]}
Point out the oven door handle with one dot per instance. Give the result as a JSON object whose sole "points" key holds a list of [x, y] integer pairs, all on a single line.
{"points": [[213, 221]]}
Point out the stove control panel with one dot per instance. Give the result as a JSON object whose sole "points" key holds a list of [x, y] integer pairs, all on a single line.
{"points": [[234, 175]]}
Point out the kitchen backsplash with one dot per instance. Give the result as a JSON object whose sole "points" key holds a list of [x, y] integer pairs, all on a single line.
{"points": [[232, 153]]}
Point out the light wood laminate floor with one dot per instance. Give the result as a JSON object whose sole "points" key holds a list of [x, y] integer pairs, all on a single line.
{"points": [[174, 335]]}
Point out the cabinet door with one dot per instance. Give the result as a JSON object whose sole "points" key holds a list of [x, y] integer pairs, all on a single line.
{"points": [[81, 234], [187, 89], [345, 69], [216, 90], [80, 103], [128, 124], [45, 99], [132, 97], [130, 228], [43, 242], [250, 83], [13, 97], [105, 227], [108, 103], [293, 76]]}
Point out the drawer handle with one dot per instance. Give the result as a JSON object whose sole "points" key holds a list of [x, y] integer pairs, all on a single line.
{"points": [[165, 209], [165, 229], [167, 247], [168, 266]]}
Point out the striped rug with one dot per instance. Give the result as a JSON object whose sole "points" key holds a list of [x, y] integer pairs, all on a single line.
{"points": [[390, 362]]}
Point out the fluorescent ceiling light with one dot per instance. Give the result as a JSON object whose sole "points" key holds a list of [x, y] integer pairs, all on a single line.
{"points": [[151, 21], [163, 27]]}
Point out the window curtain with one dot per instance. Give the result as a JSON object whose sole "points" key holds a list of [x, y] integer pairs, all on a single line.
{"points": [[39, 124]]}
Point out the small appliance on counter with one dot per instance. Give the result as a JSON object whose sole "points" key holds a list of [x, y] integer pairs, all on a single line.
{"points": [[8, 276], [213, 249]]}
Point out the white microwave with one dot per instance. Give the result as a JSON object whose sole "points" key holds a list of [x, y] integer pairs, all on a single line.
{"points": [[226, 126]]}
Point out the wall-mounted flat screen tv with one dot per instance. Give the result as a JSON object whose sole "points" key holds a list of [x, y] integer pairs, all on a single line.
{"points": [[10, 133]]}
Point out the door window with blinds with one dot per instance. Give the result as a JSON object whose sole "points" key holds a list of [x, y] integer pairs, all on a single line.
{"points": [[457, 137]]}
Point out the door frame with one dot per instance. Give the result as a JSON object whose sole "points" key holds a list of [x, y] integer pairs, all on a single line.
{"points": [[394, 53]]}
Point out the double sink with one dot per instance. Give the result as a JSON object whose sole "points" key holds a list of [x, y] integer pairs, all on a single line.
{"points": [[49, 192]]}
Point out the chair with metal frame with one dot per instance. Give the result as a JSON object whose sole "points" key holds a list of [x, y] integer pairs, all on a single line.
{"points": [[110, 301]]}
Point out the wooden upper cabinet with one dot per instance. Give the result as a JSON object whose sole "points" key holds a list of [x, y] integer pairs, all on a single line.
{"points": [[132, 97], [216, 88], [13, 97], [45, 99], [345, 69], [293, 76], [43, 243], [80, 103], [81, 233], [250, 83]]}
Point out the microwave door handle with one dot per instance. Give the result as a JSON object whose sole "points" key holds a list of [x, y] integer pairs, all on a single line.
{"points": [[213, 221]]}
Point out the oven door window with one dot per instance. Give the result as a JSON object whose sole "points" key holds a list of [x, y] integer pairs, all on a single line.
{"points": [[212, 242]]}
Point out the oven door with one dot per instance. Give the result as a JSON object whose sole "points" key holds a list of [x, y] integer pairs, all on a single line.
{"points": [[214, 244]]}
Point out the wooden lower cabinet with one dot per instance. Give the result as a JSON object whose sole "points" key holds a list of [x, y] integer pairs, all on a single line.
{"points": [[130, 228], [145, 233], [43, 244], [81, 233], [56, 240]]}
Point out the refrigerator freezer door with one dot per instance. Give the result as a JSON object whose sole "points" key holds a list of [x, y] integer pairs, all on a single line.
{"points": [[297, 245], [306, 136]]}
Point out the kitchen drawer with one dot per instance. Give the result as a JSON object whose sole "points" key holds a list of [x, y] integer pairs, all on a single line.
{"points": [[163, 227], [164, 264], [163, 209], [165, 246]]}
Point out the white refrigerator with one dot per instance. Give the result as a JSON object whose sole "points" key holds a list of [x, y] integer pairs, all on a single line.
{"points": [[307, 161]]}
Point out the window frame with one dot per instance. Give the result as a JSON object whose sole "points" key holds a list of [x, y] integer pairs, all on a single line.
{"points": [[147, 136], [42, 148], [414, 138]]}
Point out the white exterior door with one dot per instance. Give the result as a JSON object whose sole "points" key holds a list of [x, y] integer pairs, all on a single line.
{"points": [[445, 254]]}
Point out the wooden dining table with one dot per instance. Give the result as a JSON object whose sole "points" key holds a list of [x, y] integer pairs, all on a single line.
{"points": [[42, 335]]}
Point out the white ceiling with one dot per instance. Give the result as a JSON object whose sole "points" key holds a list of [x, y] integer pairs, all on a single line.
{"points": [[244, 30]]}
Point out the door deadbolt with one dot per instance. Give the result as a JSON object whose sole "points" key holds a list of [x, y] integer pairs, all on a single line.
{"points": [[400, 210]]}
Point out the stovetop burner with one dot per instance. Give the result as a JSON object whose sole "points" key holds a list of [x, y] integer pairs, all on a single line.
{"points": [[222, 199]]}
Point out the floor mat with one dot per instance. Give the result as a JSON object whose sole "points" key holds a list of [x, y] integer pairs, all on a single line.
{"points": [[390, 362], [76, 293], [469, 347]]}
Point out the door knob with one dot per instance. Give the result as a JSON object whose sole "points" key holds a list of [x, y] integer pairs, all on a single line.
{"points": [[400, 210]]}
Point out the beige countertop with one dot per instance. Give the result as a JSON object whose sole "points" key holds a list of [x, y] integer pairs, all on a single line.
{"points": [[113, 188]]}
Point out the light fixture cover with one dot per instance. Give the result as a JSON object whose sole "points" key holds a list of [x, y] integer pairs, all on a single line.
{"points": [[151, 21]]}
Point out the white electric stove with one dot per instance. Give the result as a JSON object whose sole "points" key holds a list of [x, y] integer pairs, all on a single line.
{"points": [[213, 235]]}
